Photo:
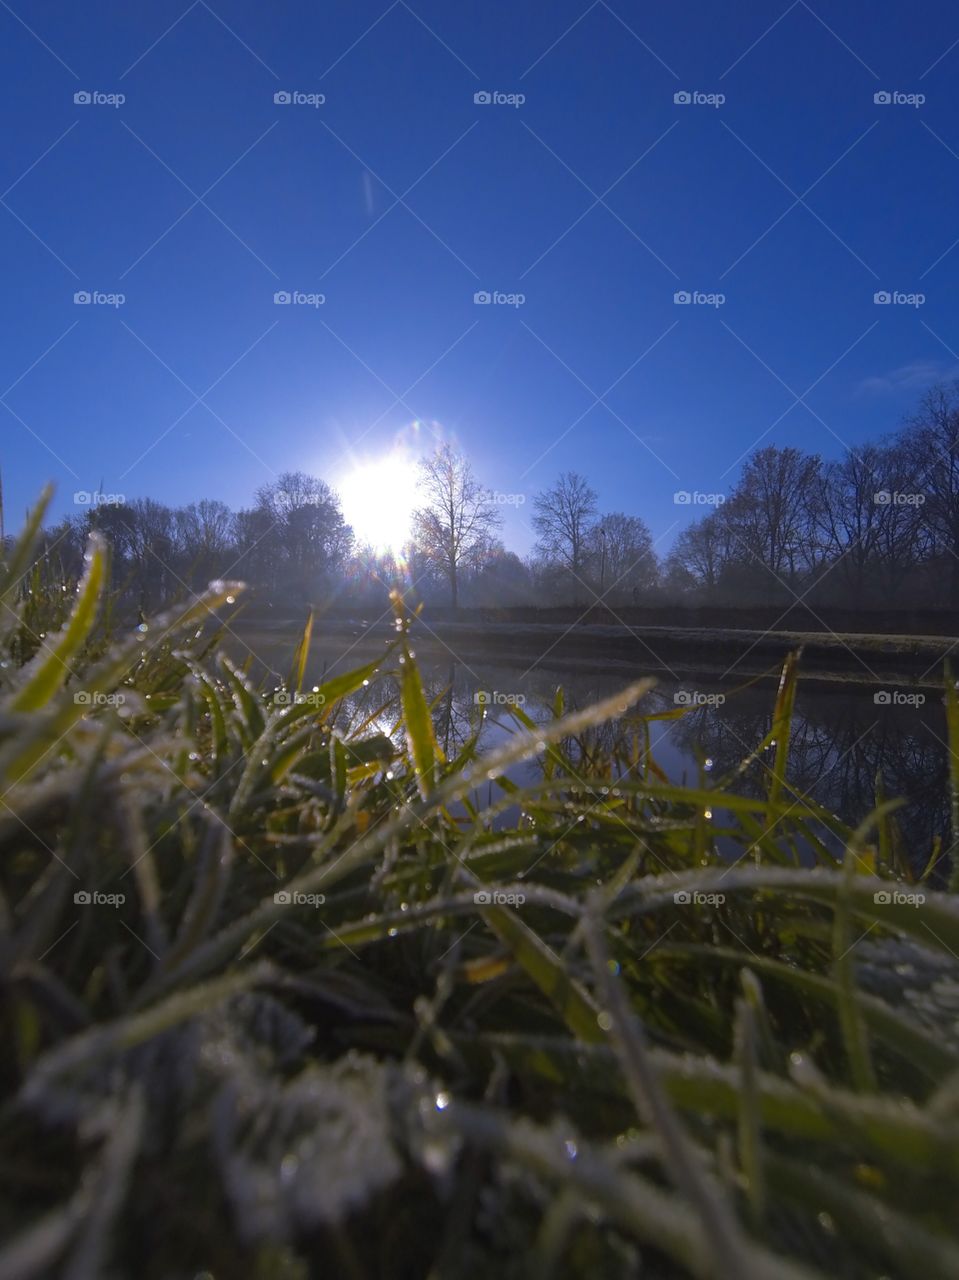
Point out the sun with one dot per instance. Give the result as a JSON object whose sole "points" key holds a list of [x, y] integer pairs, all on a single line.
{"points": [[378, 497]]}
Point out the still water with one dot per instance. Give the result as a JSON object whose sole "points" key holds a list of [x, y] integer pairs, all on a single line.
{"points": [[844, 736]]}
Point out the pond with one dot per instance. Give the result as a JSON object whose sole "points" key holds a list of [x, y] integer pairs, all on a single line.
{"points": [[845, 735]]}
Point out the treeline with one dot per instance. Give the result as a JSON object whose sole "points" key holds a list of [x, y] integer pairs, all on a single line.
{"points": [[876, 528]]}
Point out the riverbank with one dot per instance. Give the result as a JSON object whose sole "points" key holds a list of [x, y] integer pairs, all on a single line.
{"points": [[867, 658]]}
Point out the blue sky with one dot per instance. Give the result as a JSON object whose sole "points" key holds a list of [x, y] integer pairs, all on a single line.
{"points": [[598, 198]]}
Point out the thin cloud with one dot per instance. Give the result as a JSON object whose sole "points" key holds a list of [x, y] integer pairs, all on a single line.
{"points": [[916, 375]]}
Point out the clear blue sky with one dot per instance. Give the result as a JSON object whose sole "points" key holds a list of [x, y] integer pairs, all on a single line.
{"points": [[597, 198]]}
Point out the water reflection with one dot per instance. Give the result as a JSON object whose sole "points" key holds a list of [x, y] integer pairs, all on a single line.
{"points": [[843, 739]]}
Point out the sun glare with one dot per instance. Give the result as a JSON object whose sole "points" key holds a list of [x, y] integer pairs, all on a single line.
{"points": [[379, 497]]}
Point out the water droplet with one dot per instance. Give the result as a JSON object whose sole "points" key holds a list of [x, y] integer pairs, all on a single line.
{"points": [[571, 1148], [604, 1020], [442, 1101]]}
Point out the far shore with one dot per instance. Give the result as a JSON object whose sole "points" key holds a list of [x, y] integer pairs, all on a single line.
{"points": [[716, 652]]}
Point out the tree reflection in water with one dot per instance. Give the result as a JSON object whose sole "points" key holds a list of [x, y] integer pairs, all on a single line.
{"points": [[841, 741]]}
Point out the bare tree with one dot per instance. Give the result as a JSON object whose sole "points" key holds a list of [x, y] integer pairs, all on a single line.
{"points": [[563, 519], [772, 513], [702, 553], [305, 523], [455, 527], [933, 444], [622, 559]]}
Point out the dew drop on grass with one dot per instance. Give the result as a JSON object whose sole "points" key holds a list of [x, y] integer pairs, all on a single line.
{"points": [[571, 1148], [442, 1101], [391, 933], [604, 1020]]}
